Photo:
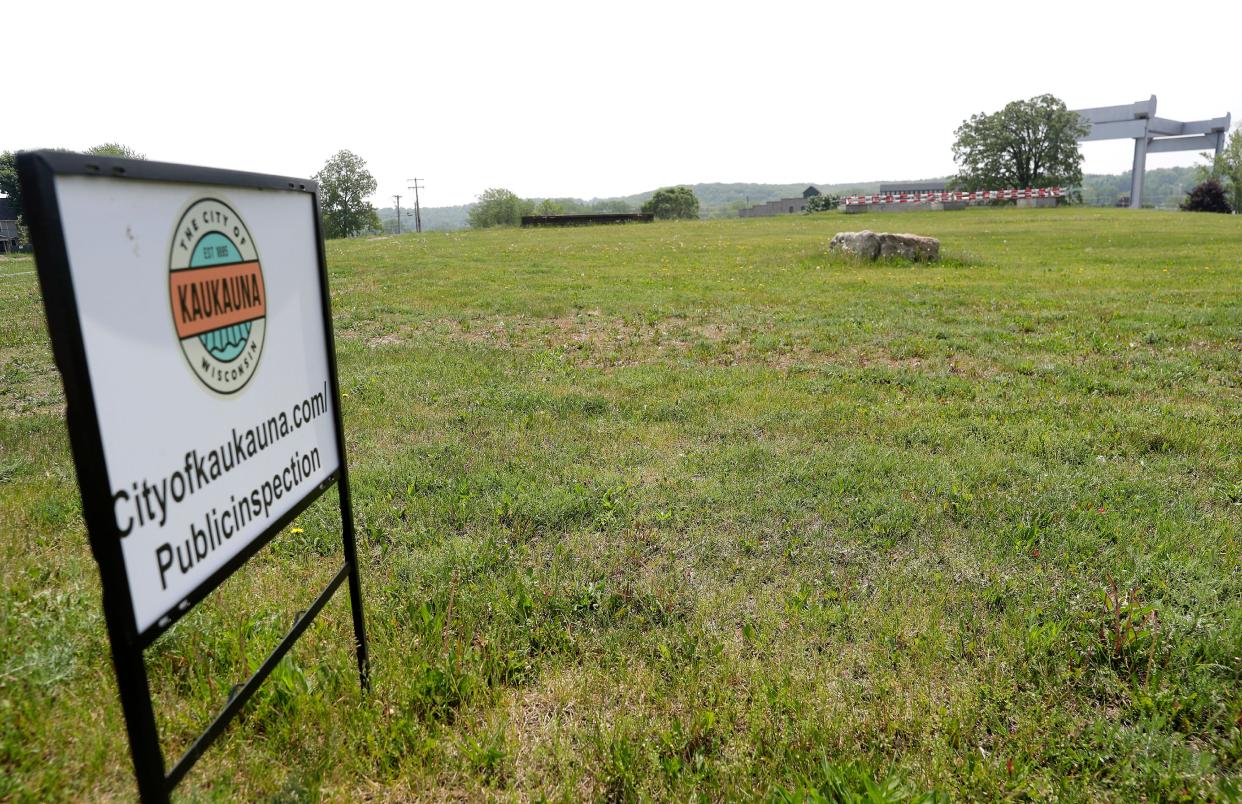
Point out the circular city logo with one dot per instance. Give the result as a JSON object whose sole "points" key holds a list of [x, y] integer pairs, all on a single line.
{"points": [[219, 302]]}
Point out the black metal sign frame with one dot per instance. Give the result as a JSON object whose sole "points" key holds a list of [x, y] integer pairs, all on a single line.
{"points": [[37, 171]]}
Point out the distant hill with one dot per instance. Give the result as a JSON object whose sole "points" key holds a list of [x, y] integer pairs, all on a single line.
{"points": [[435, 219], [723, 200], [1164, 187], [717, 200]]}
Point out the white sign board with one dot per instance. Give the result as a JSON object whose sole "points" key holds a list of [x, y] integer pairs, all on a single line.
{"points": [[189, 316], [202, 319]]}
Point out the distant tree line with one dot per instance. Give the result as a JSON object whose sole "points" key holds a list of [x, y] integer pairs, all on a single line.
{"points": [[497, 206], [1162, 187]]}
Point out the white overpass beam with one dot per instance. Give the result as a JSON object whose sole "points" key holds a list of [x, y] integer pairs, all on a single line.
{"points": [[1116, 131], [1117, 114], [1202, 142], [1165, 127], [1207, 126]]}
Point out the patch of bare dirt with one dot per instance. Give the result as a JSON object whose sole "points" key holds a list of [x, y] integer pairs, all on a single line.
{"points": [[384, 340], [589, 339]]}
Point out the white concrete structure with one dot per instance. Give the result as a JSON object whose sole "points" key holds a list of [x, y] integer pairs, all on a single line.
{"points": [[1151, 134]]}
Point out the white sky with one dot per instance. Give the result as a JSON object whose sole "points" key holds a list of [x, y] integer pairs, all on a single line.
{"points": [[593, 99]]}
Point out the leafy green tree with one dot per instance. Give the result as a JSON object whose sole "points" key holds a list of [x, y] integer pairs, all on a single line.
{"points": [[498, 207], [10, 186], [673, 203], [115, 149], [610, 205], [1227, 169], [344, 185], [1029, 143], [8, 178], [1208, 196], [549, 207]]}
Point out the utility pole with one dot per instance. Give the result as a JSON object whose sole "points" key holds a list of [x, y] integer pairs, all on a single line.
{"points": [[398, 200], [418, 215]]}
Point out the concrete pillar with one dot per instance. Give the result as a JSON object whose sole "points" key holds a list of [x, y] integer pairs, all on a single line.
{"points": [[1136, 174]]}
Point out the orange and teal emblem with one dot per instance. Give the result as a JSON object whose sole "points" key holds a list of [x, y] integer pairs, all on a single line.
{"points": [[219, 301]]}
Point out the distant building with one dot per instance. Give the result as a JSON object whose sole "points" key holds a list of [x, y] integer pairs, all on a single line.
{"points": [[783, 206], [8, 226], [896, 187]]}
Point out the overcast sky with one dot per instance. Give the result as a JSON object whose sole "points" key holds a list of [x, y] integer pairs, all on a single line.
{"points": [[591, 99]]}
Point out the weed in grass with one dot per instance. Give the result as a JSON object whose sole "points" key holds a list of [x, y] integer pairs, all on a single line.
{"points": [[833, 783], [486, 756], [1128, 630]]}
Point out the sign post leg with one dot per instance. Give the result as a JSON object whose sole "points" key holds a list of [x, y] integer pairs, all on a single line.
{"points": [[135, 693], [355, 585]]}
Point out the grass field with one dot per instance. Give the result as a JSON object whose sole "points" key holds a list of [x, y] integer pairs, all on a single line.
{"points": [[697, 510]]}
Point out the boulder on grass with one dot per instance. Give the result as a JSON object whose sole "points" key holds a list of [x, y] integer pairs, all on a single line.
{"points": [[865, 245], [870, 245]]}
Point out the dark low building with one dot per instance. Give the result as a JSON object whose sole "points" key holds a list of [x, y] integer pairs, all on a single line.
{"points": [[898, 187], [587, 219], [8, 226], [783, 206]]}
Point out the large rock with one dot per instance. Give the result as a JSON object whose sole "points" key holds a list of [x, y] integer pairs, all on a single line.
{"points": [[870, 245], [861, 244]]}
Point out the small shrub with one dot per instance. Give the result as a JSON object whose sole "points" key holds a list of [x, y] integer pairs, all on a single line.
{"points": [[673, 203], [1207, 196], [822, 203], [1127, 629]]}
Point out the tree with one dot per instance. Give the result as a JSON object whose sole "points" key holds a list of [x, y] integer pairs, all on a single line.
{"points": [[10, 186], [549, 207], [115, 149], [498, 207], [673, 203], [1227, 169], [1208, 196], [8, 178], [1031, 143], [344, 185], [821, 203], [610, 205]]}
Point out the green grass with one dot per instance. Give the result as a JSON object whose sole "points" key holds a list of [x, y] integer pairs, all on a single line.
{"points": [[698, 510], [16, 265]]}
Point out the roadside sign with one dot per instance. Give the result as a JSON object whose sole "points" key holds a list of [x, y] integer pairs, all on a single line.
{"points": [[190, 320]]}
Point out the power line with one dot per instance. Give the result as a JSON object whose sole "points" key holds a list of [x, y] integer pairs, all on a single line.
{"points": [[398, 200], [418, 215]]}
